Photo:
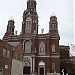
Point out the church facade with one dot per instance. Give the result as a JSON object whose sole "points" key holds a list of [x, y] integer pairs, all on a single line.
{"points": [[41, 51]]}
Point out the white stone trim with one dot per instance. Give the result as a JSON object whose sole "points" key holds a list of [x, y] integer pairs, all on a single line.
{"points": [[55, 56], [54, 38], [53, 74], [42, 56], [52, 56], [40, 38]]}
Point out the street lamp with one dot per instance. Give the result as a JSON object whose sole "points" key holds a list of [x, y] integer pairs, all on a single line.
{"points": [[63, 71], [67, 74], [54, 73]]}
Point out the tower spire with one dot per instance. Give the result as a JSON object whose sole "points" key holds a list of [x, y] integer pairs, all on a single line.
{"points": [[10, 27], [30, 19], [53, 25]]}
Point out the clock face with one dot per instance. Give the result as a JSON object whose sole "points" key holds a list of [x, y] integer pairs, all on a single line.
{"points": [[28, 18]]}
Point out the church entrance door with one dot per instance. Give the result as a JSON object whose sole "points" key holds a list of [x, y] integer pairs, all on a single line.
{"points": [[26, 70], [41, 71]]}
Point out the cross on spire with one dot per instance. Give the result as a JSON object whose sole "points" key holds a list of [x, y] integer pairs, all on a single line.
{"points": [[53, 14]]}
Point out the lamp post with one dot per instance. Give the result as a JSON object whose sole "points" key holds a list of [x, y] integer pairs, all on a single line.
{"points": [[67, 74], [63, 71], [54, 73]]}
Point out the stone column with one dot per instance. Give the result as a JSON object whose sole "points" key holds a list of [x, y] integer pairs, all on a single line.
{"points": [[33, 65]]}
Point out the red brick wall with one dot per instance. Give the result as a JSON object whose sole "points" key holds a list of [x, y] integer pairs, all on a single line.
{"points": [[4, 60], [19, 52]]}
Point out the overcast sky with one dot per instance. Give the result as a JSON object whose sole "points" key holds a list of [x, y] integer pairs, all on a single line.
{"points": [[63, 9]]}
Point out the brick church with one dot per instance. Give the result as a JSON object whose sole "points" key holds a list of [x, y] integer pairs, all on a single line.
{"points": [[41, 52]]}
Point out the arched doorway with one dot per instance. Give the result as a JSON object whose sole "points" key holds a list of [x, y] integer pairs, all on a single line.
{"points": [[41, 68], [27, 66]]}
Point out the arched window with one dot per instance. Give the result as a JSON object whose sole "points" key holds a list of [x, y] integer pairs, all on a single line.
{"points": [[27, 47], [42, 48], [28, 24], [8, 54], [4, 52], [53, 66], [53, 48], [53, 25]]}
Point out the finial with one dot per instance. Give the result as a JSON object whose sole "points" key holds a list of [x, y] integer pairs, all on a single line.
{"points": [[15, 32], [42, 30], [11, 18], [30, 0], [53, 14]]}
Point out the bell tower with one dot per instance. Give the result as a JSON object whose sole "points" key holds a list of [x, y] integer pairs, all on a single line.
{"points": [[30, 19], [31, 4], [10, 27], [53, 25]]}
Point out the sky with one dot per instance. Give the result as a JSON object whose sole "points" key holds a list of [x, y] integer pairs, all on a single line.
{"points": [[63, 9]]}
